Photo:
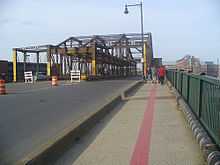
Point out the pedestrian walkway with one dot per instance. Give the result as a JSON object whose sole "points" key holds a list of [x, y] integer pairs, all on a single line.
{"points": [[148, 129], [172, 142]]}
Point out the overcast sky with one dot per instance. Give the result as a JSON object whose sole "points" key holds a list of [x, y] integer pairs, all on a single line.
{"points": [[179, 27]]}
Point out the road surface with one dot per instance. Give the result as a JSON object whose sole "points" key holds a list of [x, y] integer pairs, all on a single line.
{"points": [[31, 115]]}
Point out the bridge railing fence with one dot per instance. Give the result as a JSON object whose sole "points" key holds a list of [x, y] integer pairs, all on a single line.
{"points": [[202, 94]]}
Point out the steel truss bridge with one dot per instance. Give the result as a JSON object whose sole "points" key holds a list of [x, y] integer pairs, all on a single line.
{"points": [[95, 56]]}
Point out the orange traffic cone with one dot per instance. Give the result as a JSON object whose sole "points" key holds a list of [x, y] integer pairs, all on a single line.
{"points": [[54, 81], [2, 87]]}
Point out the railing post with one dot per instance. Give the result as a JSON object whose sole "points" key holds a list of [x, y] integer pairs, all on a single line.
{"points": [[175, 83], [200, 97], [188, 87], [181, 83], [172, 78]]}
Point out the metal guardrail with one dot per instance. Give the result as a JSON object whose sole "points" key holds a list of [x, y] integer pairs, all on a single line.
{"points": [[202, 94]]}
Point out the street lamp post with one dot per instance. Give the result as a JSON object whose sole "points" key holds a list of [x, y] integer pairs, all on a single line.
{"points": [[142, 27]]}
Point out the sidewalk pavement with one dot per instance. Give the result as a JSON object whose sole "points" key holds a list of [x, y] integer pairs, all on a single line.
{"points": [[148, 129]]}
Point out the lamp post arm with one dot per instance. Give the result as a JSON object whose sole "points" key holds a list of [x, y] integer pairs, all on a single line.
{"points": [[131, 5]]}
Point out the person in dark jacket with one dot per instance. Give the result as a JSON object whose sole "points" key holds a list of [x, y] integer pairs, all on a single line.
{"points": [[150, 77], [3, 76]]}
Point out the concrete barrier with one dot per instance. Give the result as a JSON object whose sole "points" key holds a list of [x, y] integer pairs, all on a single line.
{"points": [[48, 153]]}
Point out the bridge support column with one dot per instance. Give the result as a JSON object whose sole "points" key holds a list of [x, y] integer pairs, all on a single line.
{"points": [[49, 62], [25, 60], [145, 59], [94, 60], [61, 65], [14, 65], [38, 61]]}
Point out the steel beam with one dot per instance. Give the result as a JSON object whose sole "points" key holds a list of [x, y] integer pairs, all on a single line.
{"points": [[49, 62], [101, 54], [145, 60], [14, 65], [94, 59]]}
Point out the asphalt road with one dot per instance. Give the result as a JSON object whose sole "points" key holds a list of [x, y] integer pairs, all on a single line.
{"points": [[30, 115]]}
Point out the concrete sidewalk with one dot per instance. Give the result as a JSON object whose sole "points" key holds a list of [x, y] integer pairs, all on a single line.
{"points": [[172, 142], [147, 129]]}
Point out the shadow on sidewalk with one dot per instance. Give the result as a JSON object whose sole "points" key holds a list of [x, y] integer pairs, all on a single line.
{"points": [[145, 98], [83, 142]]}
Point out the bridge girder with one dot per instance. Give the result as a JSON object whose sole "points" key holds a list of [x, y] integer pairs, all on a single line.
{"points": [[96, 54]]}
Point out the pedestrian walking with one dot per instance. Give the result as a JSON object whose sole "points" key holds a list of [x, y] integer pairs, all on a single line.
{"points": [[161, 74], [150, 74], [146, 73], [3, 76], [154, 75]]}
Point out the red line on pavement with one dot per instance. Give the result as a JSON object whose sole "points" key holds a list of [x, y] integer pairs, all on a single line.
{"points": [[141, 151]]}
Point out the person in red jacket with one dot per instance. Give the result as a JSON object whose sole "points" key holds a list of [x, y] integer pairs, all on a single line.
{"points": [[161, 74]]}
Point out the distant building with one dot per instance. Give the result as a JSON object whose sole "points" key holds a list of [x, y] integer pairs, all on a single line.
{"points": [[218, 68], [193, 64], [209, 62], [218, 71], [210, 69], [169, 64], [185, 63], [196, 66], [204, 68], [3, 70]]}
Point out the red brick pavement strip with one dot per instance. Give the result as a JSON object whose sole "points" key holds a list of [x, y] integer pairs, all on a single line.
{"points": [[141, 151]]}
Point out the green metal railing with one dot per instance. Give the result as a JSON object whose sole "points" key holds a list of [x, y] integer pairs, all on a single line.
{"points": [[202, 94]]}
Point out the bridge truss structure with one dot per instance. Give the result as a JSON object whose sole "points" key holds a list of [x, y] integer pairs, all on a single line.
{"points": [[103, 56]]}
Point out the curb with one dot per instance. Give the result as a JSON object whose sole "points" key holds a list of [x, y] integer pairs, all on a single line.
{"points": [[55, 147], [210, 150]]}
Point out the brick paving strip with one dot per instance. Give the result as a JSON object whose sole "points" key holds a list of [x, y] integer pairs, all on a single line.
{"points": [[141, 151]]}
